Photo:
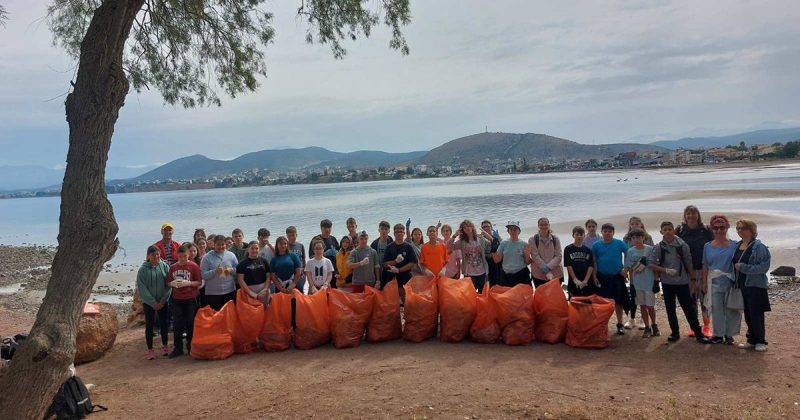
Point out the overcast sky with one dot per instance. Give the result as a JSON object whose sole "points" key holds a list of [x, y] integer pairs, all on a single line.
{"points": [[589, 71]]}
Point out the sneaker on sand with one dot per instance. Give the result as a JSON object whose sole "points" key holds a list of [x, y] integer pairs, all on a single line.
{"points": [[175, 353], [729, 340], [745, 345], [165, 350], [647, 333], [628, 324], [706, 330], [151, 354], [673, 338], [761, 347], [716, 340], [656, 332], [690, 333], [702, 340], [640, 325], [620, 329]]}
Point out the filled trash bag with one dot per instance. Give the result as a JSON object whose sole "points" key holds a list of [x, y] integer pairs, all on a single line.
{"points": [[211, 339], [587, 326], [276, 333], [420, 309], [312, 321], [349, 313], [457, 308], [515, 314], [384, 324], [551, 309], [250, 317], [485, 328]]}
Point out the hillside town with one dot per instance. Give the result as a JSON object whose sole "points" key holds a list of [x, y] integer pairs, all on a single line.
{"points": [[333, 174]]}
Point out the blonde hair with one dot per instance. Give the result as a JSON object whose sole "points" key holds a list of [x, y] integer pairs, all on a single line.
{"points": [[749, 225]]}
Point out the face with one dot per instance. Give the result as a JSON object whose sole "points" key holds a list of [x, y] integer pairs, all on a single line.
{"points": [[578, 237], [166, 233], [668, 232], [416, 236], [447, 232], [202, 246], [192, 253], [544, 226], [467, 230], [252, 251], [345, 244], [636, 224], [432, 235], [399, 235], [282, 246], [238, 237], [362, 241], [513, 231], [384, 231], [608, 234], [291, 236], [183, 257], [325, 230], [153, 258], [262, 240], [591, 227], [691, 217], [743, 231], [719, 229], [487, 227], [219, 246], [637, 240], [318, 250], [352, 227]]}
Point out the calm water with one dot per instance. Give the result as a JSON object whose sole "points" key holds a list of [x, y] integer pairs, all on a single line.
{"points": [[561, 197]]}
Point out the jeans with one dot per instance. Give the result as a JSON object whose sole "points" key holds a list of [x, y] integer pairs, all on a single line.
{"points": [[183, 311], [149, 323], [520, 277], [681, 292], [724, 322], [756, 303], [218, 301]]}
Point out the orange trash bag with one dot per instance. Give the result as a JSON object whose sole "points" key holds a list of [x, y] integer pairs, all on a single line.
{"points": [[350, 313], [250, 317], [457, 307], [384, 324], [485, 328], [587, 326], [515, 314], [420, 309], [276, 333], [312, 321], [211, 339], [551, 309]]}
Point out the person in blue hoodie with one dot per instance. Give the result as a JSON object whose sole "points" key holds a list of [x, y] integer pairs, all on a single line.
{"points": [[151, 280], [751, 263], [218, 268]]}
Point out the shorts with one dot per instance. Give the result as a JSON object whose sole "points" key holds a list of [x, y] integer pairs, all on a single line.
{"points": [[612, 286], [645, 298]]}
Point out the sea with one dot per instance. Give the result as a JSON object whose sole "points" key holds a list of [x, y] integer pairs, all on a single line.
{"points": [[562, 197]]}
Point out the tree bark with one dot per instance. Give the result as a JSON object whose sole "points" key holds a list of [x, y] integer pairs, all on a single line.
{"points": [[87, 228]]}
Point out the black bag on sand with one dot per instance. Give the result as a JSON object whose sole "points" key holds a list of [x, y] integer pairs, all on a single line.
{"points": [[73, 401], [10, 345]]}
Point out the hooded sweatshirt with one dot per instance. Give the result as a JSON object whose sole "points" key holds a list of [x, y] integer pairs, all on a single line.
{"points": [[673, 260], [548, 252], [151, 281]]}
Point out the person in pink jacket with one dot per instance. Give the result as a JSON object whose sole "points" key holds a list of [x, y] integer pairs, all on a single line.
{"points": [[545, 255]]}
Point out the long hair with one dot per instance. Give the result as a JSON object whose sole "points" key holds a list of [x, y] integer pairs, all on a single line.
{"points": [[464, 237], [278, 248], [691, 208]]}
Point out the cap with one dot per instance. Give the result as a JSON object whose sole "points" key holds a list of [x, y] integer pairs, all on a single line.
{"points": [[152, 248], [167, 225], [607, 226], [363, 233], [514, 224]]}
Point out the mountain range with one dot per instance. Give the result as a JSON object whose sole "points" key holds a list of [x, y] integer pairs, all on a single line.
{"points": [[781, 135]]}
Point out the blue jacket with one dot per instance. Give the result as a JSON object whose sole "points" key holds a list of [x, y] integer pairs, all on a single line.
{"points": [[755, 264]]}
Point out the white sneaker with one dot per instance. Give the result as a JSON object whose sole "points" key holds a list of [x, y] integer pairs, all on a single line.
{"points": [[628, 324], [761, 347], [640, 325], [745, 346]]}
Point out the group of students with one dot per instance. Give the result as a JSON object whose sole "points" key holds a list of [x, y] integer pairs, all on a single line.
{"points": [[693, 263]]}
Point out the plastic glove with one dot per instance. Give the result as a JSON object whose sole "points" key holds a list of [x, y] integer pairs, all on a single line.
{"points": [[671, 272], [442, 271], [549, 276], [495, 234], [364, 262], [428, 272], [399, 259], [394, 270], [545, 269], [185, 283], [330, 252], [174, 283], [408, 224]]}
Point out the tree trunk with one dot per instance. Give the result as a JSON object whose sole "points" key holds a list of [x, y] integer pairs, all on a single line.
{"points": [[87, 229]]}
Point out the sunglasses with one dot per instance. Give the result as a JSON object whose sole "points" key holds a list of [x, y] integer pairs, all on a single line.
{"points": [[719, 228]]}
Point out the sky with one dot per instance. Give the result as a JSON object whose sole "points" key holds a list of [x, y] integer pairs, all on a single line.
{"points": [[588, 71]]}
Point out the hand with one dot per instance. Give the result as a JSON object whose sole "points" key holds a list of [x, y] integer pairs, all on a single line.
{"points": [[640, 268], [671, 272], [428, 272], [220, 270], [184, 283], [549, 276], [495, 234], [399, 259], [596, 283], [364, 262], [545, 269], [458, 233], [157, 306], [408, 223], [394, 270], [438, 224], [738, 266], [173, 284], [252, 294], [442, 271]]}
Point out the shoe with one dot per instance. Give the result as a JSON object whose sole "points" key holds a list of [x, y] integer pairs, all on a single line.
{"points": [[706, 329], [690, 333], [151, 354], [165, 350], [647, 333], [176, 353], [702, 340], [640, 325], [746, 346], [716, 340], [656, 332], [761, 347], [620, 329], [673, 338], [729, 341], [628, 325]]}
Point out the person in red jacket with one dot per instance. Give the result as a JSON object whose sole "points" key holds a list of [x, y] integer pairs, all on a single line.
{"points": [[184, 278], [167, 247]]}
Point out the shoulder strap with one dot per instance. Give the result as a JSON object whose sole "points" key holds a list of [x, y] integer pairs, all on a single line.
{"points": [[536, 240]]}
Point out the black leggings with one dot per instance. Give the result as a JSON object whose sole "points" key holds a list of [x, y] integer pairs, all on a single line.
{"points": [[149, 323], [218, 301], [478, 282], [183, 311]]}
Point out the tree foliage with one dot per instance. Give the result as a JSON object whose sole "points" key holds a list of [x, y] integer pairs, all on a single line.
{"points": [[3, 15], [189, 50]]}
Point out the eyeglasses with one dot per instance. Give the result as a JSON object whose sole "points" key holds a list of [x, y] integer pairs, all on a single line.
{"points": [[741, 228], [719, 228]]}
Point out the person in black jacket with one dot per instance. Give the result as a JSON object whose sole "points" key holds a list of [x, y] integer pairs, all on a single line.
{"points": [[696, 235]]}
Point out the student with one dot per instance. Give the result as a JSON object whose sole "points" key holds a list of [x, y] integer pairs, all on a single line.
{"points": [[398, 260], [751, 262], [454, 256], [673, 260], [184, 279], [330, 243], [433, 255], [380, 244], [286, 267], [545, 255], [493, 270], [638, 260], [253, 274], [343, 271], [472, 248], [202, 247], [515, 255], [228, 242], [198, 233], [352, 231], [635, 223], [218, 268], [608, 255], [579, 261], [718, 268], [168, 249], [319, 270], [239, 248], [153, 290], [696, 235], [191, 249], [591, 233], [364, 262], [298, 249], [416, 242], [267, 251]]}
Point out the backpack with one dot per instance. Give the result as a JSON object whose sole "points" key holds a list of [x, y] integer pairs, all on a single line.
{"points": [[10, 345], [552, 236], [663, 248], [72, 401]]}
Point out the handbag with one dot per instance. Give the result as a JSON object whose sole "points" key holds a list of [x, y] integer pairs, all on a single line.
{"points": [[734, 299]]}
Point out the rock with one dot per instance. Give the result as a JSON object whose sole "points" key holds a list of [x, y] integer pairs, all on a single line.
{"points": [[96, 334], [136, 317], [784, 271]]}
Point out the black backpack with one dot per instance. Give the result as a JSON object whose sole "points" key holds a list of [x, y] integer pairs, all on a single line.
{"points": [[679, 250], [73, 401], [10, 345]]}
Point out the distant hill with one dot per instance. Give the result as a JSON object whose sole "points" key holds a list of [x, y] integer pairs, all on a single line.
{"points": [[199, 166], [34, 177], [531, 146], [781, 135]]}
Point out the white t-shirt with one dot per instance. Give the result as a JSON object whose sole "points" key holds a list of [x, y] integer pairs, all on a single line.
{"points": [[319, 270], [266, 253]]}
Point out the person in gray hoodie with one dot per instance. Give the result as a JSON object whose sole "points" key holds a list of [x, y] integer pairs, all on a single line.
{"points": [[673, 262], [151, 280], [218, 268]]}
